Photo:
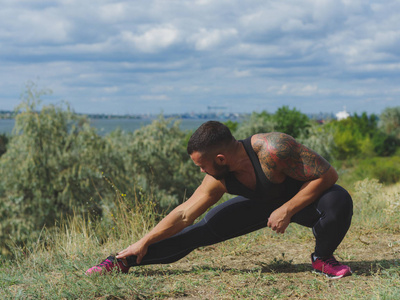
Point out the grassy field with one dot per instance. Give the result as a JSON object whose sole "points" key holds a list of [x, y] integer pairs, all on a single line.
{"points": [[261, 265]]}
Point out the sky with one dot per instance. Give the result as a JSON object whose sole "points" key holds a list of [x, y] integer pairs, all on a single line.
{"points": [[184, 56]]}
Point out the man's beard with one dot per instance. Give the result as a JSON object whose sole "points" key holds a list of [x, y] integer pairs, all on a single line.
{"points": [[220, 171]]}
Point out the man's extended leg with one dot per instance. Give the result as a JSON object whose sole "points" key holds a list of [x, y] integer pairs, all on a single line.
{"points": [[230, 219]]}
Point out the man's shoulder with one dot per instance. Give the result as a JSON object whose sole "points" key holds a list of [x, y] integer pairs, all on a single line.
{"points": [[272, 141]]}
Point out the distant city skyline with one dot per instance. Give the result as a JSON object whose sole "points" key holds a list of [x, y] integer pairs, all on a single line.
{"points": [[151, 57]]}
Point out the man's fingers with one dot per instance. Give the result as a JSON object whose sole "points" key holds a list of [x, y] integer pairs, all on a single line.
{"points": [[121, 254]]}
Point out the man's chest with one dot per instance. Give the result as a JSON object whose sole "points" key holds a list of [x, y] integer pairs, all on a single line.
{"points": [[273, 175], [249, 177]]}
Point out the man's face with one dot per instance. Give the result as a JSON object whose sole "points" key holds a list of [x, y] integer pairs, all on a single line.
{"points": [[209, 166]]}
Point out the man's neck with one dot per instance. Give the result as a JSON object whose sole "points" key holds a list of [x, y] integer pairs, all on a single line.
{"points": [[239, 161]]}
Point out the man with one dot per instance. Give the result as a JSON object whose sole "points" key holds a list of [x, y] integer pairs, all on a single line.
{"points": [[278, 181]]}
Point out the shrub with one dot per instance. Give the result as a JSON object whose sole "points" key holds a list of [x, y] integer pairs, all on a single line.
{"points": [[3, 143], [155, 158], [53, 165], [384, 169], [255, 123], [359, 136], [290, 121]]}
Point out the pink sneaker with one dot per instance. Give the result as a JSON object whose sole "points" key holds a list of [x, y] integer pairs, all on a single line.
{"points": [[330, 267], [106, 266]]}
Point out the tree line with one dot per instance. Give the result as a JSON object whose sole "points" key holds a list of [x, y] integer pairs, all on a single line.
{"points": [[55, 164]]}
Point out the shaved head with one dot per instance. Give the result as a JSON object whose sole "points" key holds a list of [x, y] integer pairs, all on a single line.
{"points": [[210, 137]]}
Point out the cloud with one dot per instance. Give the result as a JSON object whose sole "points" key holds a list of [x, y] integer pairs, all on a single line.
{"points": [[259, 52], [152, 40], [154, 97], [113, 12], [207, 39]]}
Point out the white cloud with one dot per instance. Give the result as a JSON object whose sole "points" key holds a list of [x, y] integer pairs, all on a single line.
{"points": [[206, 51], [113, 12], [154, 39], [208, 39], [34, 27]]}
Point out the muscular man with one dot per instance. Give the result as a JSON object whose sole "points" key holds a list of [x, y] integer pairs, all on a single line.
{"points": [[277, 181]]}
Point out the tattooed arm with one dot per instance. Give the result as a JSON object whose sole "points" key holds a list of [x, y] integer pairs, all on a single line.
{"points": [[280, 156]]}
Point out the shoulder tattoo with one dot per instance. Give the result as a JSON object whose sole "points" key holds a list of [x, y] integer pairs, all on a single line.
{"points": [[279, 151]]}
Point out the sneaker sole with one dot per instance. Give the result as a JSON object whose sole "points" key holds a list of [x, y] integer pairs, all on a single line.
{"points": [[331, 276]]}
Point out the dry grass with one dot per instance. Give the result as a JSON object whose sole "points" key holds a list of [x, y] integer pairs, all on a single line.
{"points": [[261, 265]]}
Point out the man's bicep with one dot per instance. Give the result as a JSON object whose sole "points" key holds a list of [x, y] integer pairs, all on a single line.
{"points": [[305, 164]]}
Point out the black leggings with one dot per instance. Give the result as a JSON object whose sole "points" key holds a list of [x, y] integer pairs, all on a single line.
{"points": [[329, 217]]}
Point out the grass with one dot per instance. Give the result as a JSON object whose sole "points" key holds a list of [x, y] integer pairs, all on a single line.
{"points": [[261, 265]]}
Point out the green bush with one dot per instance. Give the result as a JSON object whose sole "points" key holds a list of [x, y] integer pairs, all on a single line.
{"points": [[320, 139], [155, 158], [359, 136], [53, 165], [389, 121], [3, 143], [291, 121], [255, 123], [385, 169]]}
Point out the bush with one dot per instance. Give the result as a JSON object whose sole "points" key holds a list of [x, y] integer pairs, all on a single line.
{"points": [[291, 121], [320, 139], [53, 165], [359, 136], [385, 169], [255, 123], [155, 159], [3, 143], [389, 121]]}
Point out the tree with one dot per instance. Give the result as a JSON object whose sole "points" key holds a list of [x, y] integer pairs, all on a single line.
{"points": [[389, 121], [359, 136], [319, 138], [255, 123], [290, 121]]}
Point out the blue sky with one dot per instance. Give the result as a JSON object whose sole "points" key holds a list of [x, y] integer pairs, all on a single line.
{"points": [[174, 56]]}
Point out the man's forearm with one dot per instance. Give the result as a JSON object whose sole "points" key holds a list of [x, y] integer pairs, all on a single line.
{"points": [[310, 192], [173, 223]]}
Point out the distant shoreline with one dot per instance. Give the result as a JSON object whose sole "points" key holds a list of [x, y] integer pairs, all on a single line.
{"points": [[9, 115], [105, 126]]}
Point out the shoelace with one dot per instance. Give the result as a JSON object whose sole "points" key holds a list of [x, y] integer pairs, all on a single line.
{"points": [[105, 262], [332, 261]]}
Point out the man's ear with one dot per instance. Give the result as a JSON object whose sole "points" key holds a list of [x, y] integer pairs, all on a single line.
{"points": [[220, 159]]}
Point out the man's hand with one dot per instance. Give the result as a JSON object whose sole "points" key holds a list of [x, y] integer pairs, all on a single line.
{"points": [[138, 249], [279, 220]]}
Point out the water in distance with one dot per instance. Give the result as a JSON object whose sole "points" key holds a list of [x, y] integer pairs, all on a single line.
{"points": [[105, 126]]}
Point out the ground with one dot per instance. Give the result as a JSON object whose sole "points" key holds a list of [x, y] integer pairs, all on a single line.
{"points": [[270, 266]]}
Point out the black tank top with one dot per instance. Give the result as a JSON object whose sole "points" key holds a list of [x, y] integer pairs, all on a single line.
{"points": [[265, 189]]}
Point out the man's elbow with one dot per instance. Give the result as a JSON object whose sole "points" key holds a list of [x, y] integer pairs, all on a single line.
{"points": [[331, 175]]}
